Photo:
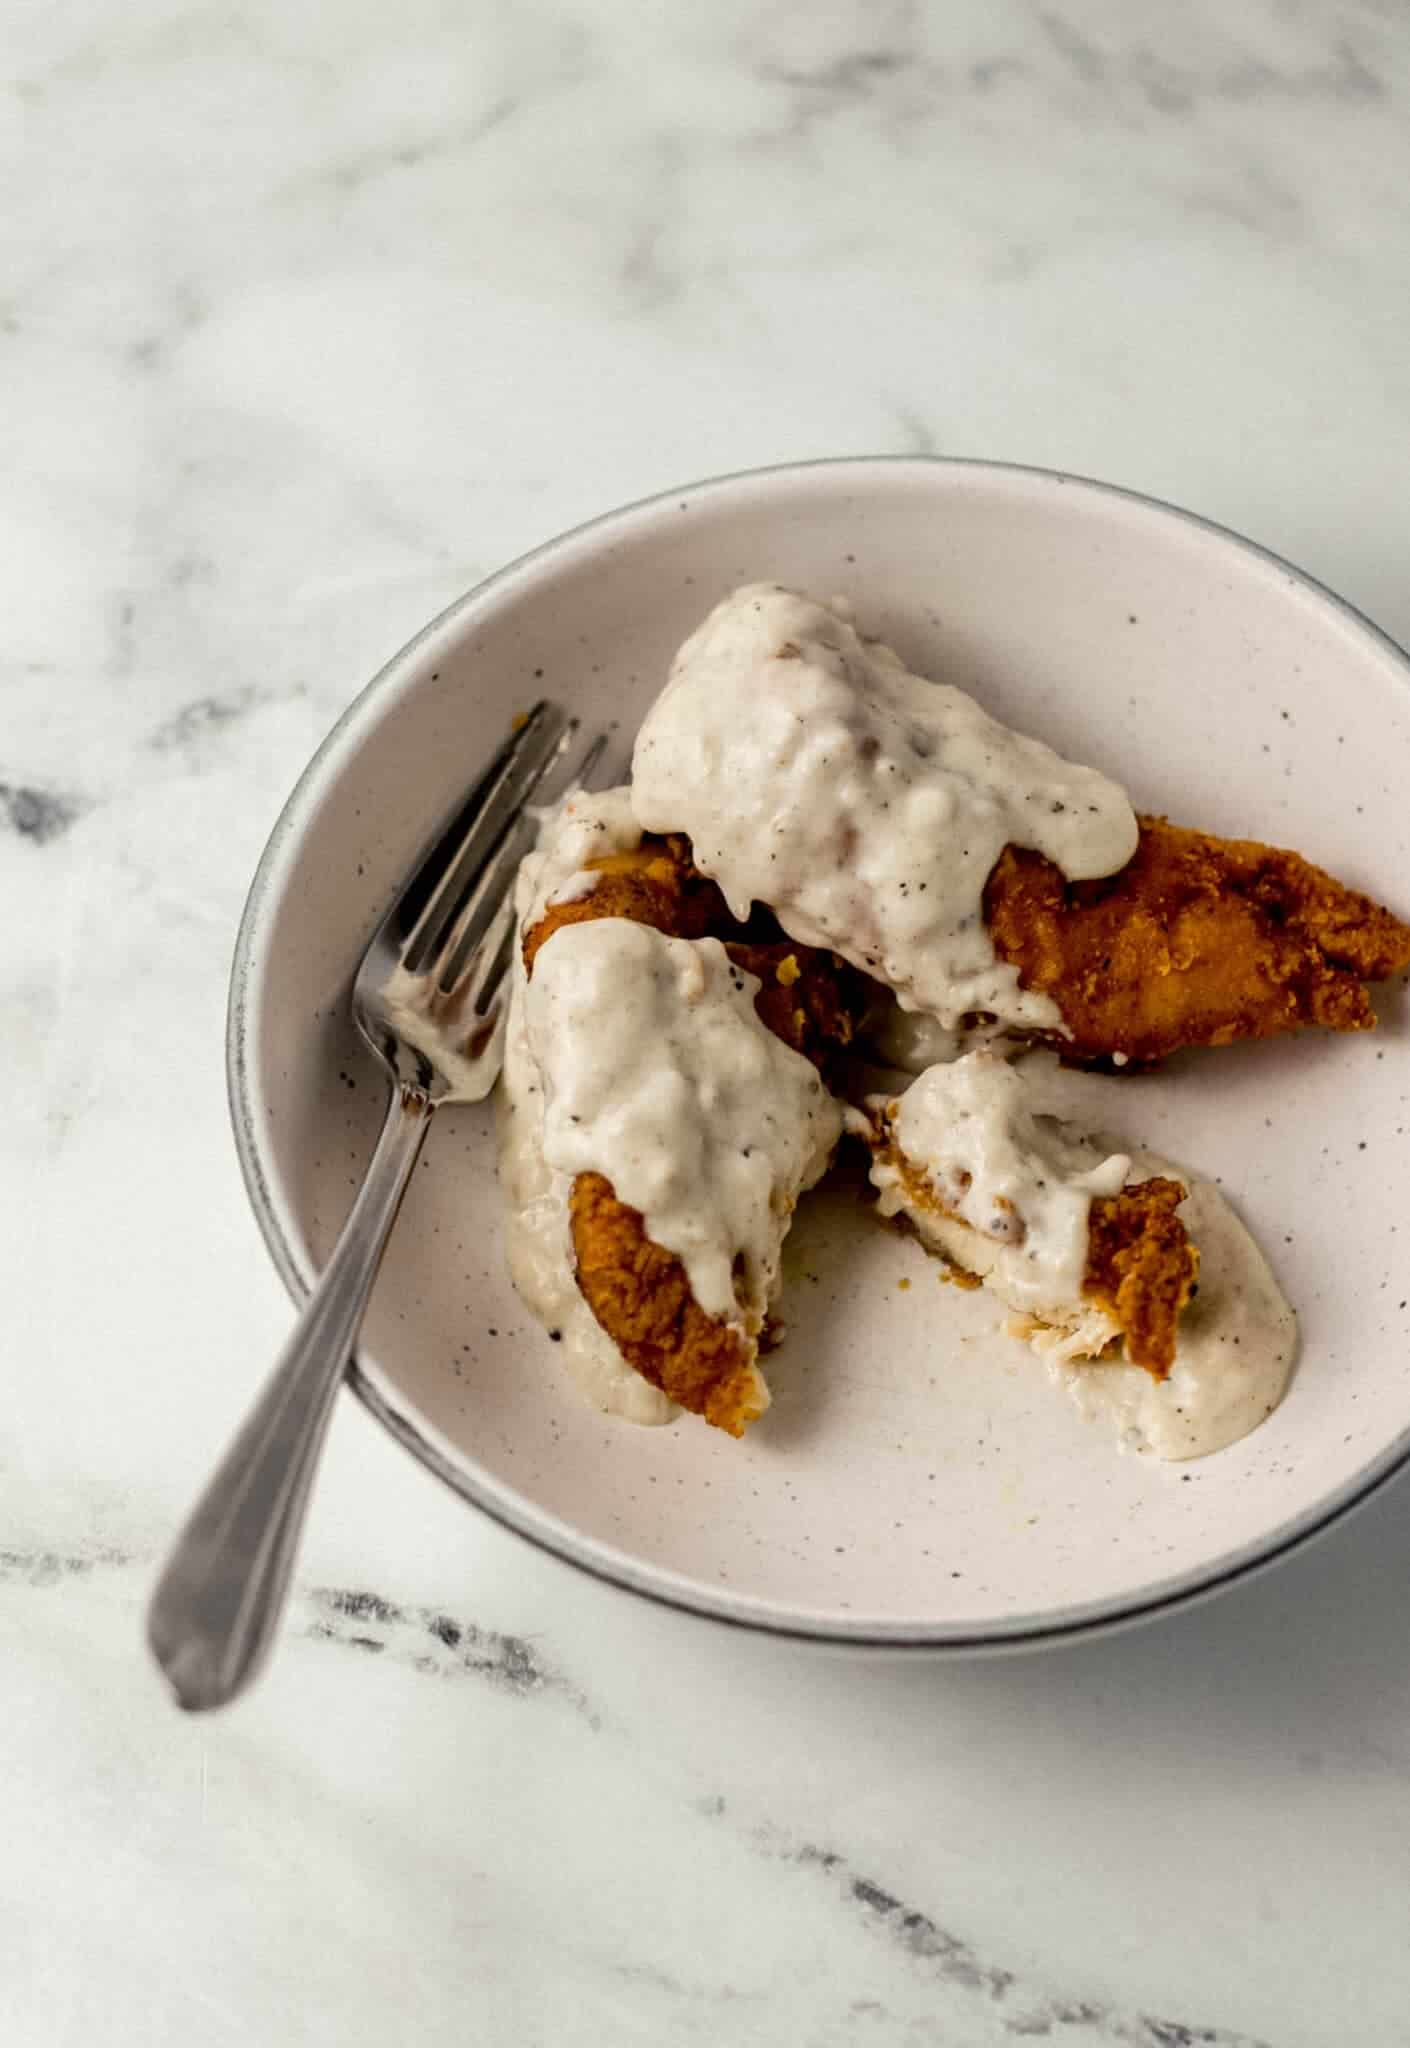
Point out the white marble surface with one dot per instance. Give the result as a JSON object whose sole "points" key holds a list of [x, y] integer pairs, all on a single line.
{"points": [[308, 319]]}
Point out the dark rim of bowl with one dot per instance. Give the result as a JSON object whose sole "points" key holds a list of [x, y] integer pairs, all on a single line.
{"points": [[585, 1554]]}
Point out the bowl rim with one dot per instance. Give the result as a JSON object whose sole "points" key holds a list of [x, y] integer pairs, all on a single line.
{"points": [[1081, 1619]]}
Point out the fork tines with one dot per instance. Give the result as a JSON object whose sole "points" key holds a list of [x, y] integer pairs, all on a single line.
{"points": [[456, 917]]}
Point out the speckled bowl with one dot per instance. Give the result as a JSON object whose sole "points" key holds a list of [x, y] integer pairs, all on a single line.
{"points": [[918, 1482]]}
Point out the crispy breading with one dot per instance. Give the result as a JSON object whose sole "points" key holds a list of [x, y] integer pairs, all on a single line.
{"points": [[638, 1291], [656, 883], [1142, 1267], [640, 1294], [812, 1000], [1197, 941], [1141, 1264]]}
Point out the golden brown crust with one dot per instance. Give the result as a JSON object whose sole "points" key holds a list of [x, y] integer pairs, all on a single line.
{"points": [[656, 884], [1142, 1268], [1141, 1264], [1197, 941], [638, 1291], [812, 1000], [640, 1294]]}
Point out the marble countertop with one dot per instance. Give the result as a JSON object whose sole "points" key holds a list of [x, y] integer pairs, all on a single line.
{"points": [[307, 321]]}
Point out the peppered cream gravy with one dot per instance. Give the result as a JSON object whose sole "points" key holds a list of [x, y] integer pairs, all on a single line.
{"points": [[866, 806]]}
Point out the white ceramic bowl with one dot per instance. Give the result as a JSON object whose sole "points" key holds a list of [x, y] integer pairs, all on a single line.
{"points": [[918, 1481]]}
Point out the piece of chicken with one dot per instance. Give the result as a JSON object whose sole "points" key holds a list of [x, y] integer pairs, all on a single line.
{"points": [[810, 999], [1196, 941], [656, 883], [1141, 1267], [638, 1291], [640, 1294]]}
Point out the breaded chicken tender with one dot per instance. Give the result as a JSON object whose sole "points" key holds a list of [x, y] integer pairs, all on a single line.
{"points": [[1196, 941], [1141, 1267], [656, 883], [640, 1294], [812, 1000], [638, 1291]]}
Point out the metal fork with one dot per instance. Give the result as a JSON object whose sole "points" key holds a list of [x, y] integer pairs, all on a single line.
{"points": [[430, 1001]]}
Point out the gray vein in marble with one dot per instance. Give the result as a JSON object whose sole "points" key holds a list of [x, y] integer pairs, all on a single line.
{"points": [[894, 80], [991, 71], [1345, 76], [189, 569], [39, 815], [425, 1639], [195, 730], [848, 76], [1016, 261], [915, 435], [191, 728], [196, 720], [1070, 43], [1168, 87], [439, 1645], [186, 311], [122, 635], [948, 1959], [888, 80], [52, 1567], [649, 279], [1253, 199], [700, 1991], [351, 174]]}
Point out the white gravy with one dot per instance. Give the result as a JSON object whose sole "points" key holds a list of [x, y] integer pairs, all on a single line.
{"points": [[537, 1233], [1237, 1338], [866, 806], [1013, 1176], [587, 826], [538, 1239], [658, 1074], [1234, 1354]]}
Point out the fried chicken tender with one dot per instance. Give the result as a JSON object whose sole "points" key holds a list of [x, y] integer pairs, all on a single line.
{"points": [[638, 1291], [1197, 941], [1141, 1264], [812, 1000], [656, 883], [640, 1294]]}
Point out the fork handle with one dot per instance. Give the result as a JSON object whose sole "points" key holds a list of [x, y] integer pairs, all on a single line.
{"points": [[218, 1602]]}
